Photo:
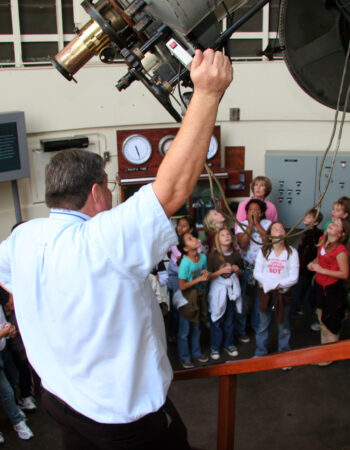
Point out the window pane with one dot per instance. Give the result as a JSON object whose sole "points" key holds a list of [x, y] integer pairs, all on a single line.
{"points": [[274, 14], [37, 16], [5, 17], [67, 12], [38, 51], [7, 53], [244, 47], [254, 23]]}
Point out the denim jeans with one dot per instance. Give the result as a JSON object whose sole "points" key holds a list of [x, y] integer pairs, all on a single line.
{"points": [[262, 336], [221, 331], [7, 398], [173, 286], [188, 336], [241, 319], [174, 317]]}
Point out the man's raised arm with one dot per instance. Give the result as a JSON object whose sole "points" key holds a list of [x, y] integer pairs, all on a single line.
{"points": [[211, 73]]}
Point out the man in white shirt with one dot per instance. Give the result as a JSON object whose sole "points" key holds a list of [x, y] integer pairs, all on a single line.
{"points": [[91, 326]]}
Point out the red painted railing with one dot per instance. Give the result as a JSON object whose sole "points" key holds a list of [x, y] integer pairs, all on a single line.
{"points": [[227, 374]]}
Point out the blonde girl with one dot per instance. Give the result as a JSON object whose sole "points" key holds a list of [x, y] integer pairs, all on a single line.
{"points": [[225, 264], [213, 222]]}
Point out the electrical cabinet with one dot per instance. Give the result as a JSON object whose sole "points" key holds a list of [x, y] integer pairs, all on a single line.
{"points": [[294, 177], [339, 184]]}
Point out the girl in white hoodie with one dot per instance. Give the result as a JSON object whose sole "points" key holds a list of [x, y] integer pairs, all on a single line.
{"points": [[224, 263], [276, 270]]}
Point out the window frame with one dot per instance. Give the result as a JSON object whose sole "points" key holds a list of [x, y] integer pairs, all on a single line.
{"points": [[16, 38]]}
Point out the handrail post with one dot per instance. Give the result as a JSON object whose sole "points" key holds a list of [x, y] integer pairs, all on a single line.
{"points": [[226, 413]]}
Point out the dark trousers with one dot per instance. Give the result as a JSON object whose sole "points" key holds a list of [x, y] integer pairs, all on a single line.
{"points": [[161, 430], [302, 295]]}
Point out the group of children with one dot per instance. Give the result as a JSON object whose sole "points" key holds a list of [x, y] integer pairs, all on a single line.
{"points": [[258, 263], [15, 372], [16, 380]]}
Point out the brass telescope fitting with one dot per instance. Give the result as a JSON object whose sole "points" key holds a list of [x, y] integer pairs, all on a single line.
{"points": [[81, 49]]}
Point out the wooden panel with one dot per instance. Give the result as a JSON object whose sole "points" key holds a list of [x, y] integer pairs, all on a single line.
{"points": [[150, 167], [235, 187], [234, 158]]}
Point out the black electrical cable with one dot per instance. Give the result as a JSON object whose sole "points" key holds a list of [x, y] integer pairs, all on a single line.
{"points": [[278, 28], [229, 16], [230, 22], [179, 88]]}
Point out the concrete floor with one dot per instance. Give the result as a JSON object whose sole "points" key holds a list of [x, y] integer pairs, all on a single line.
{"points": [[305, 408]]}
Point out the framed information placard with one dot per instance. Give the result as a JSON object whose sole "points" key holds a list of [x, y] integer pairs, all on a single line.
{"points": [[14, 161]]}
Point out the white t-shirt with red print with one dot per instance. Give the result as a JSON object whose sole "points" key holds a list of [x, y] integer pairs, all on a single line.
{"points": [[282, 270]]}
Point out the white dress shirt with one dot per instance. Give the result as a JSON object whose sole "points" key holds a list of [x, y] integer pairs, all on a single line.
{"points": [[89, 320]]}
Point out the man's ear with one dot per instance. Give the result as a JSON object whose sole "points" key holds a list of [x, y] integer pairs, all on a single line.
{"points": [[96, 192], [94, 201]]}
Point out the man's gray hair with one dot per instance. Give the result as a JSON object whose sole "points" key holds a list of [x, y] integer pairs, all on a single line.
{"points": [[69, 177]]}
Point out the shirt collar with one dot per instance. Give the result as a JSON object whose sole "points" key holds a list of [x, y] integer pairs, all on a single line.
{"points": [[68, 214]]}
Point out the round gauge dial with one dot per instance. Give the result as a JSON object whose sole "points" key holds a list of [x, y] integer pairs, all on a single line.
{"points": [[165, 143], [213, 147], [137, 149]]}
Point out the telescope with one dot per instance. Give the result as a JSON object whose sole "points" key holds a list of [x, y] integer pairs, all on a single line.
{"points": [[157, 40]]}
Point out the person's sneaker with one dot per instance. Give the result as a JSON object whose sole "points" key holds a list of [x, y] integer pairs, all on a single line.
{"points": [[214, 354], [187, 364], [23, 431], [202, 359], [2, 439], [232, 351], [27, 404], [315, 326], [244, 338]]}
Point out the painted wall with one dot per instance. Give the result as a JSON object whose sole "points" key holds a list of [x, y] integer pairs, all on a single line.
{"points": [[275, 115]]}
